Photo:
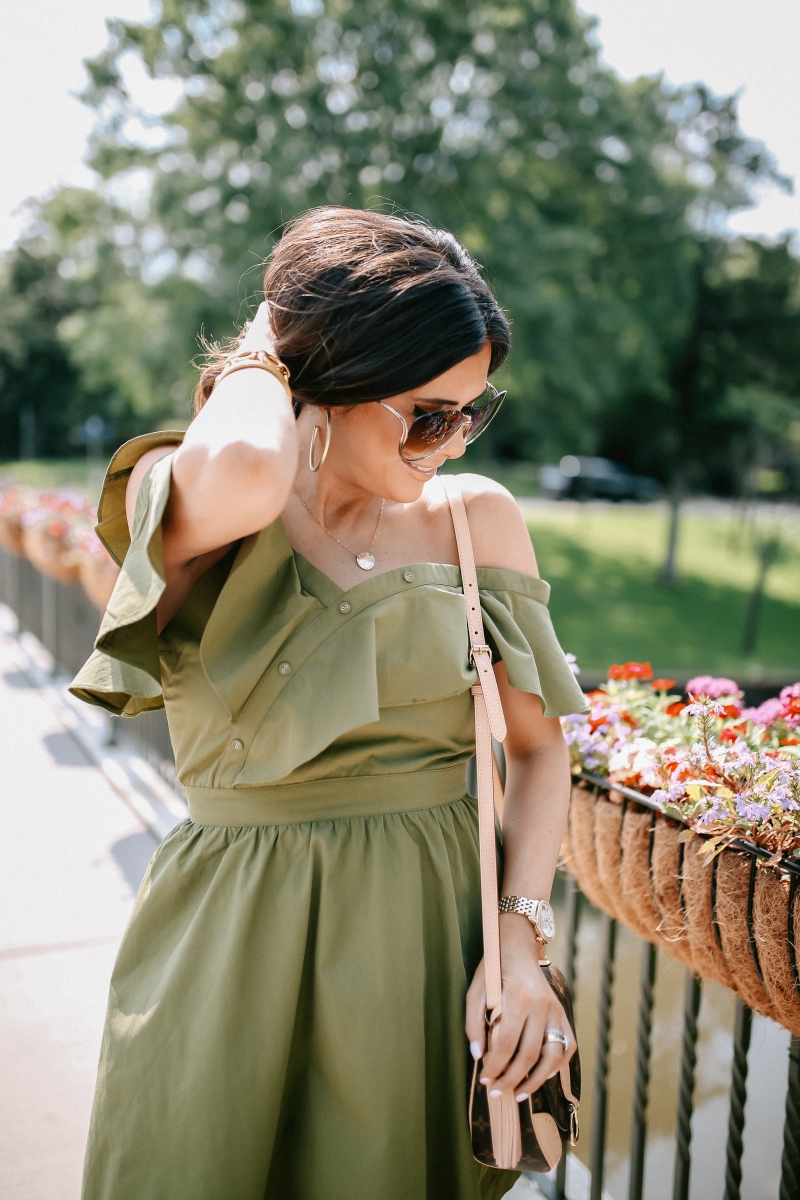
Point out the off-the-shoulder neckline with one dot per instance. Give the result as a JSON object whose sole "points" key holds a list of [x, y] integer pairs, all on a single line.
{"points": [[394, 574], [329, 592]]}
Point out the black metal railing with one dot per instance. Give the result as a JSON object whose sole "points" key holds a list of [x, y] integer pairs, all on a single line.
{"points": [[575, 907], [65, 622]]}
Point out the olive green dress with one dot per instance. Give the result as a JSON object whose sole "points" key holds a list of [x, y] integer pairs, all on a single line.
{"points": [[286, 1017]]}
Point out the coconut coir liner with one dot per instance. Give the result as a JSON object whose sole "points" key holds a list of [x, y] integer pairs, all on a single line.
{"points": [[581, 839], [772, 931], [733, 882], [698, 902], [634, 875], [607, 835], [666, 873], [609, 821]]}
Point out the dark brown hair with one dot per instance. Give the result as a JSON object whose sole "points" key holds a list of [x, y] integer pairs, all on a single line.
{"points": [[365, 306]]}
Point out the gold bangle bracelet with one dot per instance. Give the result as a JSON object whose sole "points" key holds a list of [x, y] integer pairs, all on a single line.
{"points": [[260, 359]]}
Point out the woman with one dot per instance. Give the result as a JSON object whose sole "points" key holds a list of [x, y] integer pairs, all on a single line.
{"points": [[287, 1010]]}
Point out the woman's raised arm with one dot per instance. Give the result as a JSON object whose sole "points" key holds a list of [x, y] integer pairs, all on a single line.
{"points": [[232, 474]]}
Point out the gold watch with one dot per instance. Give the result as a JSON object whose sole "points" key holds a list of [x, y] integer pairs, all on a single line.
{"points": [[538, 912]]}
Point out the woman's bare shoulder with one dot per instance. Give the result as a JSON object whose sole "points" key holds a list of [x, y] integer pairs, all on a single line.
{"points": [[500, 536]]}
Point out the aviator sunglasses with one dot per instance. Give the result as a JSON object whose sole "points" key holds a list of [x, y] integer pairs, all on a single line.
{"points": [[431, 432]]}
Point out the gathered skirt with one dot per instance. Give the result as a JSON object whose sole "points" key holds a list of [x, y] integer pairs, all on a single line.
{"points": [[286, 1016]]}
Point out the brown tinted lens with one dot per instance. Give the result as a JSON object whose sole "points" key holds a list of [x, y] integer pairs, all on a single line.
{"points": [[431, 431]]}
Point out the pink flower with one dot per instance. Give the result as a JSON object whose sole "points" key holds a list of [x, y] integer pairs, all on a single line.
{"points": [[707, 685], [766, 714]]}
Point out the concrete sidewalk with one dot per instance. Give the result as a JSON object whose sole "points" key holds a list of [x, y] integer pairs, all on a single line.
{"points": [[72, 855]]}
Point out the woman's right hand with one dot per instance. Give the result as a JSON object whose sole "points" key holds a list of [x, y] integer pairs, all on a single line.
{"points": [[259, 335]]}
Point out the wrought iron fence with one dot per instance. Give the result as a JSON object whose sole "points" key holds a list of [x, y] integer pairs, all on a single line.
{"points": [[783, 1092], [65, 622]]}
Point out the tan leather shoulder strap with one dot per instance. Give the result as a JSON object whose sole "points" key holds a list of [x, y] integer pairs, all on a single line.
{"points": [[489, 723], [480, 652]]}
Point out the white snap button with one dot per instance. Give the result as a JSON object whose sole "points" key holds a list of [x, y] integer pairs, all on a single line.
{"points": [[284, 668], [408, 576], [237, 745], [344, 607]]}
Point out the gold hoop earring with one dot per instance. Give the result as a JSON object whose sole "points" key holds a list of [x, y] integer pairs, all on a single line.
{"points": [[313, 443]]}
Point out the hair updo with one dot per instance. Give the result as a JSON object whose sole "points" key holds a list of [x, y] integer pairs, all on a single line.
{"points": [[365, 306]]}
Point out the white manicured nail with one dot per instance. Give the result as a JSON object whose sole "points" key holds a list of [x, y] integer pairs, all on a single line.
{"points": [[521, 1097], [476, 1050], [495, 1092]]}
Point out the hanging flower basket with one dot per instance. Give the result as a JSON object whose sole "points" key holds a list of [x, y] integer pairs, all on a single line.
{"points": [[53, 530], [733, 918], [14, 501], [684, 825], [47, 544]]}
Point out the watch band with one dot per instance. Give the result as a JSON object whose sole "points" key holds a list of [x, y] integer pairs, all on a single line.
{"points": [[526, 908]]}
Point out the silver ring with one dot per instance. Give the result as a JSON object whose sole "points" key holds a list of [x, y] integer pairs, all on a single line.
{"points": [[555, 1035]]}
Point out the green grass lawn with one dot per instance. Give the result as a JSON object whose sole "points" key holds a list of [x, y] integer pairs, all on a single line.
{"points": [[57, 472], [602, 561]]}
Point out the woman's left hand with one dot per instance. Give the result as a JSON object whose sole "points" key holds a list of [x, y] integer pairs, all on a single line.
{"points": [[519, 1060]]}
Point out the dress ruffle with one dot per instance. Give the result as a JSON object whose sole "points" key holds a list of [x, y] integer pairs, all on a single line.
{"points": [[124, 673], [281, 639]]}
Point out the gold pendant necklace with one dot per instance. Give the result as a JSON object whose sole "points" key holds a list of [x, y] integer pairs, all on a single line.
{"points": [[366, 559]]}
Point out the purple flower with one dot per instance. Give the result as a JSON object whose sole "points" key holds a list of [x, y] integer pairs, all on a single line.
{"points": [[714, 812], [751, 810]]}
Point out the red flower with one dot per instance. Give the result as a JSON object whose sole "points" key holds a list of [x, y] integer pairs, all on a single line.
{"points": [[674, 709], [597, 694], [626, 716], [630, 670], [728, 735], [790, 741], [662, 685], [731, 710]]}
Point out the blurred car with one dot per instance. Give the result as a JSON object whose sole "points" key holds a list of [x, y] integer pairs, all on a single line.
{"points": [[583, 478]]}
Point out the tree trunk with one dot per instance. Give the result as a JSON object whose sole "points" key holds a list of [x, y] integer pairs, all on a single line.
{"points": [[668, 575], [767, 553]]}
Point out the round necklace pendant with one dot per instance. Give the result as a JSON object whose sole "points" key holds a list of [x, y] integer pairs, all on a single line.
{"points": [[365, 560]]}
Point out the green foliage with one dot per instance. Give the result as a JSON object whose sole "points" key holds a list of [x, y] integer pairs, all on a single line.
{"points": [[34, 364], [730, 409], [588, 200]]}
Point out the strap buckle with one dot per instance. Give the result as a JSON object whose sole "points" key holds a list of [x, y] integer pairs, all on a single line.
{"points": [[479, 649]]}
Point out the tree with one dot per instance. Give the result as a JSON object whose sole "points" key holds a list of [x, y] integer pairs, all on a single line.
{"points": [[40, 387], [571, 186], [498, 122], [731, 399]]}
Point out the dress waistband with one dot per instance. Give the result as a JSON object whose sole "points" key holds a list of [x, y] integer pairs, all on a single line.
{"points": [[326, 799]]}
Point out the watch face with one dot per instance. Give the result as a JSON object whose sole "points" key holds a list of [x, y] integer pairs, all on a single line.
{"points": [[546, 921]]}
